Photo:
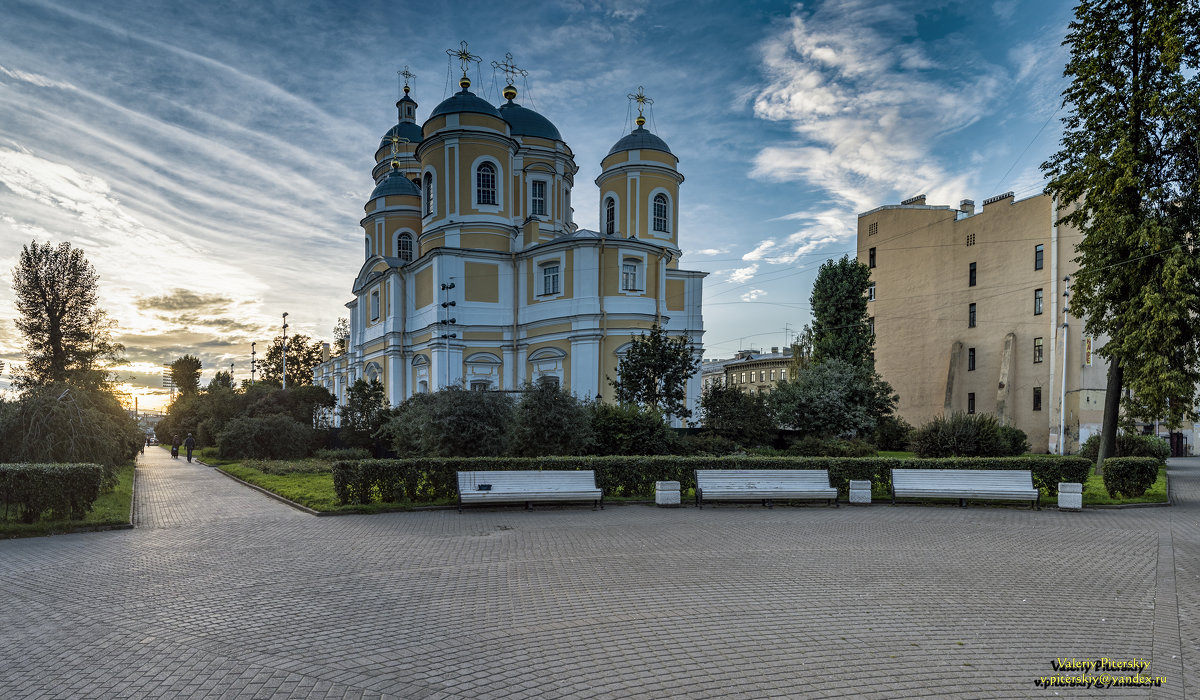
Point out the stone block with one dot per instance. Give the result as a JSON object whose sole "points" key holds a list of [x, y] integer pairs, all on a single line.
{"points": [[860, 492], [666, 493], [1070, 496]]}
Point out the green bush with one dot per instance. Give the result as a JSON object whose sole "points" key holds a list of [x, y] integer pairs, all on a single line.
{"points": [[274, 436], [1129, 445], [708, 443], [892, 433], [967, 435], [812, 446], [550, 421], [69, 491], [629, 429], [290, 466], [1130, 476], [343, 453], [452, 422]]}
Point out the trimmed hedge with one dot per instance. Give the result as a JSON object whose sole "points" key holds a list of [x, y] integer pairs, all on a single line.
{"points": [[27, 491], [1130, 476], [1129, 445], [430, 480]]}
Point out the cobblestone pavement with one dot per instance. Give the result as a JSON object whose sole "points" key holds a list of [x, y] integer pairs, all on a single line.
{"points": [[223, 592]]}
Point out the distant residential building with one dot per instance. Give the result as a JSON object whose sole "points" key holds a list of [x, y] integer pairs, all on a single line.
{"points": [[750, 370], [967, 308]]}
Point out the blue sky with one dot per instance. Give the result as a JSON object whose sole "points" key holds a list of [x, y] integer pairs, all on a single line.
{"points": [[212, 158]]}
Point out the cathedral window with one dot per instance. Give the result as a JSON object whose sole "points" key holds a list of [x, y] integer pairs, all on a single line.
{"points": [[549, 279], [375, 306], [661, 213], [610, 216], [485, 184], [428, 193], [537, 204], [404, 247]]}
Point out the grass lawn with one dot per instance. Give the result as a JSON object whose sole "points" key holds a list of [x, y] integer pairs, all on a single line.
{"points": [[110, 509]]}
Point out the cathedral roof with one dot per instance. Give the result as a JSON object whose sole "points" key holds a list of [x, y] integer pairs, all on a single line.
{"points": [[395, 184], [523, 121], [464, 101], [409, 131], [639, 139]]}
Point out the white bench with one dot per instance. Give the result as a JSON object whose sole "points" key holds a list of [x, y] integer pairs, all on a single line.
{"points": [[527, 487], [762, 484], [999, 484]]}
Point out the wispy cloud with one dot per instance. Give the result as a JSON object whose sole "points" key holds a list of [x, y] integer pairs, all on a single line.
{"points": [[753, 294], [743, 274]]}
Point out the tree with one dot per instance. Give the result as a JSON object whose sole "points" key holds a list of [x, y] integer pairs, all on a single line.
{"points": [[67, 338], [802, 350], [839, 306], [1127, 176], [655, 372], [341, 336], [221, 380], [738, 415], [185, 373], [452, 422], [303, 355], [832, 399], [550, 421], [364, 414]]}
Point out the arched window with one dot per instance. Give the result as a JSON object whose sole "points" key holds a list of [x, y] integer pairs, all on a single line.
{"points": [[428, 193], [404, 247], [661, 208], [485, 184], [610, 216]]}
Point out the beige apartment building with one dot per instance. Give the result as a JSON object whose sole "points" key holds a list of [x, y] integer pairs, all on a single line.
{"points": [[753, 371], [967, 309]]}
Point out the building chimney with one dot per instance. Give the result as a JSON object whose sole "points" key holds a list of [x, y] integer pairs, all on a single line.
{"points": [[324, 352], [967, 206]]}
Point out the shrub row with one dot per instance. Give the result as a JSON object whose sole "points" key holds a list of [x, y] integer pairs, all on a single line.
{"points": [[27, 491], [1129, 445], [429, 480], [1130, 476]]}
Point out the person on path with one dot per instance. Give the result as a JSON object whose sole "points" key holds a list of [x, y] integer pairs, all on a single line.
{"points": [[190, 444], [175, 446]]}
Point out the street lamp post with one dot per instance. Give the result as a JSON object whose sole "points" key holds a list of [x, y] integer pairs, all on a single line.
{"points": [[253, 362], [285, 326]]}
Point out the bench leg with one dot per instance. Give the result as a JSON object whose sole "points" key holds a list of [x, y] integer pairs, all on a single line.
{"points": [[460, 504], [699, 498], [835, 502], [528, 505], [601, 501], [962, 503], [768, 503]]}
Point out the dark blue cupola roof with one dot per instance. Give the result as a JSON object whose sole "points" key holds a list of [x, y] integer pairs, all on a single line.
{"points": [[395, 184], [639, 139], [464, 101], [523, 121]]}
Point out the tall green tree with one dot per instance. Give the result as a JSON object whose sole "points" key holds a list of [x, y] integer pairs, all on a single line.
{"points": [[741, 416], [341, 336], [303, 355], [67, 337], [839, 307], [185, 373], [833, 399], [1127, 176], [365, 412], [550, 421], [655, 373], [221, 380]]}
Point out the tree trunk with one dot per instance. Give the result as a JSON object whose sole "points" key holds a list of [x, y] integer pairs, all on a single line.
{"points": [[1112, 405]]}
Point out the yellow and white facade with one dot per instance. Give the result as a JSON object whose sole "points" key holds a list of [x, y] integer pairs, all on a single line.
{"points": [[475, 273]]}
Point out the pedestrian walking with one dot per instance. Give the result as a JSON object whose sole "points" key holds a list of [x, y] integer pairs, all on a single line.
{"points": [[190, 444], [175, 446]]}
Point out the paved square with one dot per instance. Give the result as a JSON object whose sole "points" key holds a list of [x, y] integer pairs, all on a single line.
{"points": [[223, 592]]}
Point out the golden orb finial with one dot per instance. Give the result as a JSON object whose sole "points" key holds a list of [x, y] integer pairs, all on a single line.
{"points": [[641, 121], [510, 92], [395, 164], [464, 82]]}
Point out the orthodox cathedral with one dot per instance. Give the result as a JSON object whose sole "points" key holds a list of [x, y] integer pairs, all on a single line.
{"points": [[474, 273]]}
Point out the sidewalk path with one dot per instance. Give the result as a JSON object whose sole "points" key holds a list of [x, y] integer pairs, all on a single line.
{"points": [[223, 592]]}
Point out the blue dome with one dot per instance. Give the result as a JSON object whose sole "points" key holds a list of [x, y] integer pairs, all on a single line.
{"points": [[526, 122], [639, 139], [464, 101], [395, 184], [404, 130]]}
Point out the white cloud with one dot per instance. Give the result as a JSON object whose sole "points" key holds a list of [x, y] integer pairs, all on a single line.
{"points": [[34, 79], [753, 294], [760, 251], [743, 274], [709, 251]]}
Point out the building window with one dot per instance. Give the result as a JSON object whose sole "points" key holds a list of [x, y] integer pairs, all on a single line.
{"points": [[971, 402], [610, 216], [1037, 398], [375, 306], [485, 184], [873, 228], [970, 359], [970, 239], [783, 374], [1038, 253], [772, 375], [428, 193], [1037, 302], [549, 279], [629, 276], [971, 276], [871, 292], [743, 379], [661, 217], [1037, 350], [871, 258], [752, 377], [537, 204], [971, 316], [404, 247], [871, 324]]}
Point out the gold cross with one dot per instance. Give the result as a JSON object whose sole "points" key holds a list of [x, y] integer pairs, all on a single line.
{"points": [[641, 98], [406, 75], [465, 57], [510, 69]]}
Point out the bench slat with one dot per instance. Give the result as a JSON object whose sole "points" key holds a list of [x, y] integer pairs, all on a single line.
{"points": [[527, 486], [1015, 484], [758, 484]]}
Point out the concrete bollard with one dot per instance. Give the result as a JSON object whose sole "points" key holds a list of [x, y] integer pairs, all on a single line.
{"points": [[1070, 496], [860, 493], [666, 493]]}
